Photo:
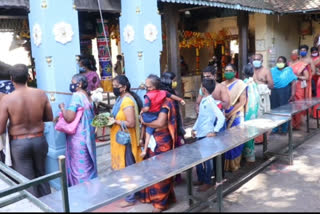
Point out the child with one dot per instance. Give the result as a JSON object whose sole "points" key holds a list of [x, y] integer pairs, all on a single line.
{"points": [[153, 102], [205, 127]]}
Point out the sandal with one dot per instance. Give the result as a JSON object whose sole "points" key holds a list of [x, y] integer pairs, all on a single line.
{"points": [[125, 204]]}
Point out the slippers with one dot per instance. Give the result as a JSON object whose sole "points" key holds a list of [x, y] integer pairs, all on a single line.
{"points": [[125, 204], [218, 184], [156, 210]]}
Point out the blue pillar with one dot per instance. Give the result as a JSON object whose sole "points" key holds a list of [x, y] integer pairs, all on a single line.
{"points": [[54, 33], [141, 39]]}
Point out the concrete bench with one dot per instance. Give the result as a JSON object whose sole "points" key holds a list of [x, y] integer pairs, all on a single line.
{"points": [[90, 195]]}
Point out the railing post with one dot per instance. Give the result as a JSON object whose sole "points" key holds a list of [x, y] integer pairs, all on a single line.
{"points": [[265, 144], [64, 185], [219, 182], [290, 143], [189, 183], [308, 125], [318, 125]]}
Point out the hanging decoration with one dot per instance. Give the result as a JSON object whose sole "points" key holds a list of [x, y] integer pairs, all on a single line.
{"points": [[37, 34], [103, 53], [150, 32], [63, 32], [128, 34], [24, 32], [115, 33], [190, 39]]}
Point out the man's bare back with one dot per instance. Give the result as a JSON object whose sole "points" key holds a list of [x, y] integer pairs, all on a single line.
{"points": [[263, 76], [221, 93], [309, 61], [27, 108]]}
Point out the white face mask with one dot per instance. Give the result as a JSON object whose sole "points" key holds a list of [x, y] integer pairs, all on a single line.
{"points": [[315, 54]]}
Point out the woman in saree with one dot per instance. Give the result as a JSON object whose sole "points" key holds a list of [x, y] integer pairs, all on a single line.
{"points": [[235, 114], [284, 89], [165, 135], [87, 68], [299, 68], [81, 161], [169, 83], [252, 109], [125, 112], [316, 60]]}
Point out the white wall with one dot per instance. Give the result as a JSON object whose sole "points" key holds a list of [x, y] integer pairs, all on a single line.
{"points": [[279, 34]]}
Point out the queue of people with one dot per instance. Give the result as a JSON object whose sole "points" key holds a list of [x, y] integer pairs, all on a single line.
{"points": [[220, 106]]}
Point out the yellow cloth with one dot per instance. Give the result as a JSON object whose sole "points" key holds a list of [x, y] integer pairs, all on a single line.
{"points": [[107, 85], [117, 150]]}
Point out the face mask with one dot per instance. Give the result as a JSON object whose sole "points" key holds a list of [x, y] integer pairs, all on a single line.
{"points": [[303, 53], [229, 75], [174, 84], [280, 65], [73, 87], [82, 70], [294, 57], [116, 92], [257, 63], [314, 54]]}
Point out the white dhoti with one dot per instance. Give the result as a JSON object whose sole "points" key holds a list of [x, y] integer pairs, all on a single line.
{"points": [[5, 147], [264, 93]]}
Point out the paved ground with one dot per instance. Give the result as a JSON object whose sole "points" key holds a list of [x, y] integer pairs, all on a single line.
{"points": [[277, 188], [282, 188]]}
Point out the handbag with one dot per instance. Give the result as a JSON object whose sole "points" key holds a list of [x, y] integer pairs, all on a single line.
{"points": [[123, 136], [69, 128]]}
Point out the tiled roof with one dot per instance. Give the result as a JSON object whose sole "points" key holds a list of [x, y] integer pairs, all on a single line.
{"points": [[288, 6], [14, 3], [260, 6]]}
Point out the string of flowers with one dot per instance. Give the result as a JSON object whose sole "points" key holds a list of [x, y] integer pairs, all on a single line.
{"points": [[200, 40]]}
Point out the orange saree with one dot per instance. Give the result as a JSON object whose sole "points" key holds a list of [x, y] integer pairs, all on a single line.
{"points": [[316, 79], [301, 93]]}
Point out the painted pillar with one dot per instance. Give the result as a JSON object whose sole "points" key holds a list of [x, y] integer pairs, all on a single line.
{"points": [[243, 26], [171, 17], [141, 39], [56, 62]]}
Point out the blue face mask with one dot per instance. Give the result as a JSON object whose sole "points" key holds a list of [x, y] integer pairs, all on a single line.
{"points": [[82, 70], [303, 53], [73, 87], [257, 63]]}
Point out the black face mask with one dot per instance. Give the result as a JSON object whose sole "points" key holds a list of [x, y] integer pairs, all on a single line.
{"points": [[73, 87], [116, 92]]}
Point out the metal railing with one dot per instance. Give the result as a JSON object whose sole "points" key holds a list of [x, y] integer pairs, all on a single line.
{"points": [[25, 183]]}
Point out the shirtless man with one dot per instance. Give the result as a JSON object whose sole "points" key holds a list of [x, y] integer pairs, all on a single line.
{"points": [[311, 68], [220, 93], [262, 76], [27, 109]]}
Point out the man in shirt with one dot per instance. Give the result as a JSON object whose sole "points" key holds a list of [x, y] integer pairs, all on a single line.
{"points": [[209, 122], [118, 68], [6, 87]]}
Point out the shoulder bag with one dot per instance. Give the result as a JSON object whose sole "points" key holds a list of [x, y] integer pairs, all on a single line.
{"points": [[123, 136]]}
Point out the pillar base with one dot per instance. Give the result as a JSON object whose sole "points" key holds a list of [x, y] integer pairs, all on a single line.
{"points": [[52, 165]]}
